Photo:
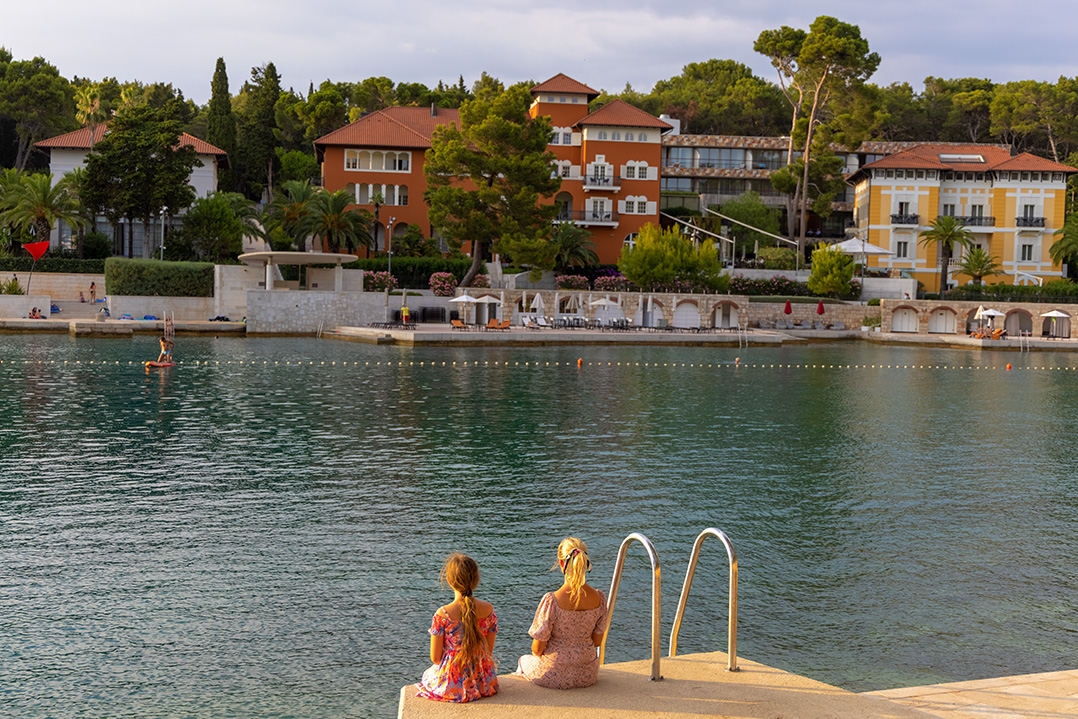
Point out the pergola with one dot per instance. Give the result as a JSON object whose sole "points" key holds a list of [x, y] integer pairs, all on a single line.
{"points": [[269, 259]]}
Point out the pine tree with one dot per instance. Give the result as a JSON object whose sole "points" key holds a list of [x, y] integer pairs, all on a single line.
{"points": [[221, 125]]}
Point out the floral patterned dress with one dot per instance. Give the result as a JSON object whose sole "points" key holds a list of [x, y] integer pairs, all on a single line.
{"points": [[570, 659], [448, 683]]}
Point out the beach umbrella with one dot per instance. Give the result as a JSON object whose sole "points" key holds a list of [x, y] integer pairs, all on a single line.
{"points": [[464, 300], [788, 309], [1054, 315], [537, 304], [819, 308], [36, 250]]}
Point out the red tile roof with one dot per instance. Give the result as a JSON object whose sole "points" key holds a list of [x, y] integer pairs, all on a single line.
{"points": [[563, 83], [958, 158], [80, 140], [621, 114], [392, 127]]}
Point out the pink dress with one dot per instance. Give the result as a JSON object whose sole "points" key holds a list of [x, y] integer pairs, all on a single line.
{"points": [[571, 658], [448, 683]]}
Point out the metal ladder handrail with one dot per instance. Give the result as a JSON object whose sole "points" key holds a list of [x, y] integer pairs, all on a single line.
{"points": [[656, 585], [731, 640]]}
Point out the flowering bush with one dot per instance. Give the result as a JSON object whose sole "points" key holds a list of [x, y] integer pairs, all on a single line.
{"points": [[855, 290], [613, 282], [443, 284], [378, 281], [480, 281], [571, 282], [777, 285]]}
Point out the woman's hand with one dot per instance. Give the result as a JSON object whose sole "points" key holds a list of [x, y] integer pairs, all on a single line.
{"points": [[538, 647]]}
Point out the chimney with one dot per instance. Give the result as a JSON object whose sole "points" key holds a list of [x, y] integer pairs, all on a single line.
{"points": [[434, 109]]}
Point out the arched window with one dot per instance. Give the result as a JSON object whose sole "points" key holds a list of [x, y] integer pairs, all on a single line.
{"points": [[628, 137], [351, 159], [643, 137], [602, 134], [616, 136], [402, 195]]}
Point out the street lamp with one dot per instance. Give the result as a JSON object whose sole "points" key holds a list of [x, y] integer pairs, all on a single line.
{"points": [[389, 243]]}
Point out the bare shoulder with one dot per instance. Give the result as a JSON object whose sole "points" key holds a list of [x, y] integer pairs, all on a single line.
{"points": [[483, 609]]}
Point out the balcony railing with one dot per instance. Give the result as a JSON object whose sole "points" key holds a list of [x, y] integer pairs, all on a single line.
{"points": [[1029, 222], [609, 182], [588, 217], [976, 221], [904, 219]]}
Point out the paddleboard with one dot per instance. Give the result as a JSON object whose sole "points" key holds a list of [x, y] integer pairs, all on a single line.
{"points": [[160, 364]]}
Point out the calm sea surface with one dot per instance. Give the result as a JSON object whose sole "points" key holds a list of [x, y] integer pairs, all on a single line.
{"points": [[263, 540]]}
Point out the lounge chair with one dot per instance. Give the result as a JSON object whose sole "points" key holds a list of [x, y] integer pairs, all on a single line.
{"points": [[505, 324], [818, 325], [458, 325], [544, 323], [766, 324], [838, 326], [805, 325], [493, 324], [997, 334]]}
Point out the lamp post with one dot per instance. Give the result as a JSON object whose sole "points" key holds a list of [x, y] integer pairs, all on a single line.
{"points": [[389, 243]]}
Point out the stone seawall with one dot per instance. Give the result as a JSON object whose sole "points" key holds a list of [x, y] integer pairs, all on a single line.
{"points": [[60, 285]]}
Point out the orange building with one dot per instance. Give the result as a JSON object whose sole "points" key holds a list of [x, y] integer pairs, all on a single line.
{"points": [[380, 157], [608, 161]]}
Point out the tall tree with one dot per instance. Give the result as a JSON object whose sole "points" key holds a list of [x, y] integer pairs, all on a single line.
{"points": [[1065, 247], [339, 226], [291, 207], [485, 177], [221, 124], [257, 141], [37, 100], [946, 233], [88, 111], [978, 264], [572, 246], [140, 169], [37, 203], [719, 97], [812, 68]]}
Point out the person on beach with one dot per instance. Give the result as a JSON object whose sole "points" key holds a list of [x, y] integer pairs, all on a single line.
{"points": [[461, 640], [93, 292], [568, 626], [82, 297]]}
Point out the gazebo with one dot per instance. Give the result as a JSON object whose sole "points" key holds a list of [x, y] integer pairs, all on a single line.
{"points": [[269, 259]]}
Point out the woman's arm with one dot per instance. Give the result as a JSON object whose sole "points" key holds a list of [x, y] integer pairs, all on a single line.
{"points": [[538, 647], [490, 641], [436, 648], [597, 638]]}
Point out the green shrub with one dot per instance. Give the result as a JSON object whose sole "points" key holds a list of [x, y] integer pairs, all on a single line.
{"points": [[52, 264], [154, 278], [777, 258], [874, 302], [96, 246], [415, 272], [871, 321], [11, 287]]}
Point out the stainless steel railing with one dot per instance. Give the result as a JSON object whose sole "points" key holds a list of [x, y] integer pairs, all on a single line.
{"points": [[656, 585], [731, 640]]}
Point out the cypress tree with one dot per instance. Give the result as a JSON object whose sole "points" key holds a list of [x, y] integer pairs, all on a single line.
{"points": [[221, 125]]}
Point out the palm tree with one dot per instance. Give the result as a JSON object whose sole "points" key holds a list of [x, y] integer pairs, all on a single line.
{"points": [[88, 110], [1066, 245], [337, 225], [291, 208], [946, 233], [978, 264], [572, 246], [35, 202]]}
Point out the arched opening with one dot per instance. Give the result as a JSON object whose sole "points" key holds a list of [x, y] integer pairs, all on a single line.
{"points": [[904, 319], [972, 321], [1018, 323], [1056, 327], [726, 316], [564, 201], [648, 314], [942, 321], [687, 314]]}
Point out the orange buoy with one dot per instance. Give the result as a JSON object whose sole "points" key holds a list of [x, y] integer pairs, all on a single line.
{"points": [[580, 362], [1008, 366]]}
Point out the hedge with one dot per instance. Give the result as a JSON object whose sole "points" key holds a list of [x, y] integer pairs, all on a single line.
{"points": [[53, 264], [415, 272], [154, 278], [1055, 291]]}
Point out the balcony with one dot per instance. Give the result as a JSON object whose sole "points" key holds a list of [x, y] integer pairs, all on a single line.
{"points": [[1029, 222], [904, 219], [602, 182], [589, 217], [977, 221]]}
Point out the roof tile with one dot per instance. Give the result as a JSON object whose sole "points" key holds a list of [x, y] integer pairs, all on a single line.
{"points": [[621, 114], [391, 127], [563, 83]]}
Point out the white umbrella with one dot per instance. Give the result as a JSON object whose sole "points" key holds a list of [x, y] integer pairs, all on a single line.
{"points": [[992, 313], [603, 302], [465, 300], [488, 300], [537, 304], [980, 313], [1054, 313], [859, 247]]}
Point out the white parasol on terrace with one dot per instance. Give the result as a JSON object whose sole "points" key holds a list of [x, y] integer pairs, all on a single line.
{"points": [[464, 300]]}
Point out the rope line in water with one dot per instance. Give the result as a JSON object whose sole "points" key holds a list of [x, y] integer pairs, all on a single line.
{"points": [[496, 363]]}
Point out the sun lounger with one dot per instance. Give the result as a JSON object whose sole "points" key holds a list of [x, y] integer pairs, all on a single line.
{"points": [[838, 326], [505, 324], [492, 324], [458, 325], [766, 324], [818, 325]]}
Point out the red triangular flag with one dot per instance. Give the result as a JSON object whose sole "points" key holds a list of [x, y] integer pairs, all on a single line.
{"points": [[37, 249]]}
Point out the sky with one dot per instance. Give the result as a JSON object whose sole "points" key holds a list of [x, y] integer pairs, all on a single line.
{"points": [[602, 43]]}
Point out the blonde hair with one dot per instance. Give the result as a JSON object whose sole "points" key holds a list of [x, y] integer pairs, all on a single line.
{"points": [[574, 564], [462, 574]]}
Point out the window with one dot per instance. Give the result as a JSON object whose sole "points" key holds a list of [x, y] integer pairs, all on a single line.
{"points": [[1027, 211], [630, 173], [676, 184], [615, 136], [731, 159], [768, 159], [948, 211], [628, 137], [677, 156], [642, 207], [890, 174], [567, 138], [351, 159], [643, 137], [402, 195], [903, 208], [566, 170], [976, 210], [902, 249], [1027, 253], [920, 174], [554, 140], [602, 134]]}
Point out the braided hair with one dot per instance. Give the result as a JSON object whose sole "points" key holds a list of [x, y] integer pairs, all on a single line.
{"points": [[462, 574]]}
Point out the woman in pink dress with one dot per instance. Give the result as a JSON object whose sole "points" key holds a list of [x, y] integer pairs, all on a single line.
{"points": [[568, 626], [461, 640]]}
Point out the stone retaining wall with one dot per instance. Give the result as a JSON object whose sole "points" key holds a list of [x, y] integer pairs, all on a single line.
{"points": [[61, 285], [13, 306], [184, 309], [954, 317], [288, 312]]}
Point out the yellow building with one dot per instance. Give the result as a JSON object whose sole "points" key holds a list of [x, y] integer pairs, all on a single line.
{"points": [[1011, 203]]}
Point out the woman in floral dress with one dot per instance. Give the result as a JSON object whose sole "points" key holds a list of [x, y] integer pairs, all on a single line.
{"points": [[568, 626]]}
